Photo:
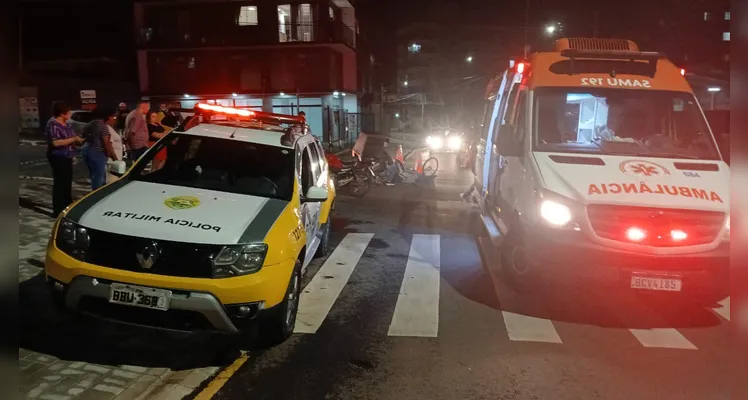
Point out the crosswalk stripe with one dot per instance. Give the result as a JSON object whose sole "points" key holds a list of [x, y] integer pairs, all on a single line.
{"points": [[523, 328], [668, 338], [320, 294], [417, 307], [723, 309]]}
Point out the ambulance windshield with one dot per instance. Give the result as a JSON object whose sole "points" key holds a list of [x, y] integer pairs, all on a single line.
{"points": [[621, 122]]}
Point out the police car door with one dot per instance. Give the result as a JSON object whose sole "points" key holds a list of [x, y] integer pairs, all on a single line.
{"points": [[310, 174]]}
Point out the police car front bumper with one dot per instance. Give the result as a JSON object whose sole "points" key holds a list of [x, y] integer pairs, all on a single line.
{"points": [[188, 311]]}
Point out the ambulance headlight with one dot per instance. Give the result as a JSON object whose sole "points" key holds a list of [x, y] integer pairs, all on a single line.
{"points": [[239, 260], [558, 211], [435, 142], [454, 142], [72, 239]]}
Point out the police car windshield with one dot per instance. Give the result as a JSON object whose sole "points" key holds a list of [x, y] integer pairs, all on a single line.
{"points": [[225, 165], [621, 122]]}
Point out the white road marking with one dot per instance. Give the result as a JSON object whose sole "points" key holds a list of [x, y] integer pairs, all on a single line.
{"points": [[320, 294], [668, 338], [523, 328], [724, 309], [417, 308]]}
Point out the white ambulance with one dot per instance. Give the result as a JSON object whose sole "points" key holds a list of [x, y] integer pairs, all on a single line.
{"points": [[597, 166]]}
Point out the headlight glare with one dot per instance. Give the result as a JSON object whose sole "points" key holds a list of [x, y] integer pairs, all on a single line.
{"points": [[455, 142], [239, 260], [555, 213]]}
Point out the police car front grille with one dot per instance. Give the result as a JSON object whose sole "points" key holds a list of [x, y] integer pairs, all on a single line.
{"points": [[612, 222], [180, 259]]}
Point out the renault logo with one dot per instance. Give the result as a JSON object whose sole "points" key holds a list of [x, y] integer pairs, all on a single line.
{"points": [[149, 255]]}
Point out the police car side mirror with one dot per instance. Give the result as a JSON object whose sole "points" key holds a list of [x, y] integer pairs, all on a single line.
{"points": [[117, 168], [507, 142], [315, 194]]}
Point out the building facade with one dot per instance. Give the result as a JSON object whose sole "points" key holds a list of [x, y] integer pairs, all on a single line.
{"points": [[275, 56]]}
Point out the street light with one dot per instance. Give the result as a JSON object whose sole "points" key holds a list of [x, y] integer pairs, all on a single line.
{"points": [[469, 59], [714, 89], [550, 29], [405, 83], [397, 115]]}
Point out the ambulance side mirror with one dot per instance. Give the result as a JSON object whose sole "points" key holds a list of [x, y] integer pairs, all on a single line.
{"points": [[507, 141]]}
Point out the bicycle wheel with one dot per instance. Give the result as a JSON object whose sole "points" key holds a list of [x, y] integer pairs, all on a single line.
{"points": [[430, 166]]}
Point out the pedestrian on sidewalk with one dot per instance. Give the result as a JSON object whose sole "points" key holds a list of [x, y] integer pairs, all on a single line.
{"points": [[155, 132], [61, 141], [98, 147], [136, 131]]}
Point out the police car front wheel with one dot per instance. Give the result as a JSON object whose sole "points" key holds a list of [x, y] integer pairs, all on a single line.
{"points": [[280, 322]]}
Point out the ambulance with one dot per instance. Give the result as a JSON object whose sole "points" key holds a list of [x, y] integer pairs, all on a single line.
{"points": [[597, 167]]}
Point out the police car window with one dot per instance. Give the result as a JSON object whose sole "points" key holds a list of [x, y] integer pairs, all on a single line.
{"points": [[621, 122], [314, 157], [307, 177], [224, 165]]}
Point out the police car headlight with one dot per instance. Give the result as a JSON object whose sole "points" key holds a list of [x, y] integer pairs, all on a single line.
{"points": [[72, 239], [239, 260]]}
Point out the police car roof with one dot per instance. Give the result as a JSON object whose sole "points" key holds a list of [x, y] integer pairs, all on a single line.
{"points": [[250, 135]]}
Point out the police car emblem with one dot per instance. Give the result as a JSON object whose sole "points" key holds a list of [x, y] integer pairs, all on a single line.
{"points": [[150, 254], [182, 202]]}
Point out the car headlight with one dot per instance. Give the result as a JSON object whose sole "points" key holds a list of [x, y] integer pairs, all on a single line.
{"points": [[72, 239], [239, 260], [555, 213], [454, 142], [434, 142]]}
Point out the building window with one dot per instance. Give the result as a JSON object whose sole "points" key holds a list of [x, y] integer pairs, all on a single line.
{"points": [[707, 16], [332, 14], [248, 16], [727, 15], [295, 23], [726, 36], [284, 23]]}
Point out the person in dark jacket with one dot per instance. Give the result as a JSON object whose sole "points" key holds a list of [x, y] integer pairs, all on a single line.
{"points": [[98, 147], [61, 141]]}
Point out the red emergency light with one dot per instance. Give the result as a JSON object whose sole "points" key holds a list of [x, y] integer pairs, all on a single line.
{"points": [[520, 67], [252, 115]]}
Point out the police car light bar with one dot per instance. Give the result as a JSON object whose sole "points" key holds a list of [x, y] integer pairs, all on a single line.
{"points": [[252, 115]]}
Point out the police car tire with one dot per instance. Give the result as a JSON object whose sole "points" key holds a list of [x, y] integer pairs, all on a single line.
{"points": [[274, 328], [324, 243]]}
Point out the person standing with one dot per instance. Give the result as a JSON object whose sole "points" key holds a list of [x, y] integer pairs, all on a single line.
{"points": [[136, 131], [121, 117], [117, 146], [98, 147], [61, 141], [155, 132]]}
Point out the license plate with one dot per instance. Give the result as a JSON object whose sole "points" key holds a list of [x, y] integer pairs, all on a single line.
{"points": [[137, 296], [656, 283]]}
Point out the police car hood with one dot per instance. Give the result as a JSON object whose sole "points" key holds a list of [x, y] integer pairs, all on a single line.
{"points": [[177, 213], [637, 181]]}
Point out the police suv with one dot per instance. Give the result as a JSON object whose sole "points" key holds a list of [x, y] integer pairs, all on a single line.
{"points": [[215, 237]]}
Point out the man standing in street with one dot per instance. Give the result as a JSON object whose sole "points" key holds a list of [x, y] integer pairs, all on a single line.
{"points": [[136, 131]]}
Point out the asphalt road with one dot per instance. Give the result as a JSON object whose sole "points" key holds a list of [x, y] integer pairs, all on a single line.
{"points": [[425, 314], [410, 304]]}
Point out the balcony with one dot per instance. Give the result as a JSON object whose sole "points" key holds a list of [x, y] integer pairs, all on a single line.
{"points": [[318, 32]]}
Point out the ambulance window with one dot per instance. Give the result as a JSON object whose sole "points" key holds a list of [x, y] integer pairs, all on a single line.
{"points": [[487, 118]]}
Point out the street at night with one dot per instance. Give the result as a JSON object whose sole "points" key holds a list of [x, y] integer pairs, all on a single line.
{"points": [[376, 200]]}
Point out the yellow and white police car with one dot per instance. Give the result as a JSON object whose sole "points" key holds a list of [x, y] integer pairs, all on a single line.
{"points": [[210, 230]]}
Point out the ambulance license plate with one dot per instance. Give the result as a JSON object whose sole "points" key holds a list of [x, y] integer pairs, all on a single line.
{"points": [[137, 296], [656, 283]]}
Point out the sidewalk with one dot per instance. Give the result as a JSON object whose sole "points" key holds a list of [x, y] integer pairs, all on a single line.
{"points": [[63, 358]]}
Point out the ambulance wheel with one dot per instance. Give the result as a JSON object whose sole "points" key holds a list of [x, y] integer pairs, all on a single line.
{"points": [[324, 241], [279, 323], [514, 263]]}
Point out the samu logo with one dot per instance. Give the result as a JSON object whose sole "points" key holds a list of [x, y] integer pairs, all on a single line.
{"points": [[643, 168]]}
